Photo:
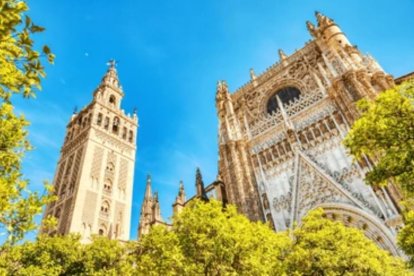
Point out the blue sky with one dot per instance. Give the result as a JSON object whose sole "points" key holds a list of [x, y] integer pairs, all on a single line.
{"points": [[170, 55]]}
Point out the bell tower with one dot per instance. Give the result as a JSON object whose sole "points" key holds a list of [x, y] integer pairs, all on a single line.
{"points": [[94, 175]]}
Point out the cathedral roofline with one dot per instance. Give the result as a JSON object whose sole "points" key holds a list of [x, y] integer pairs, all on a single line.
{"points": [[403, 78], [272, 69]]}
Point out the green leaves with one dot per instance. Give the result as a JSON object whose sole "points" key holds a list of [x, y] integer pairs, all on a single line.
{"points": [[406, 237], [324, 247], [385, 133], [21, 71], [206, 239]]}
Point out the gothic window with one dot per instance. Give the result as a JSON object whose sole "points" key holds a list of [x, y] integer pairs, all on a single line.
{"points": [[110, 167], [115, 125], [131, 136], [285, 95], [331, 124], [84, 122], [108, 186], [106, 125], [79, 122], [102, 230], [89, 118], [112, 100], [124, 133], [68, 136], [105, 207], [99, 120]]}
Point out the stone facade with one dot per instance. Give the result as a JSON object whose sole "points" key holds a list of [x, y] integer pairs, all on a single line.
{"points": [[280, 151], [280, 138], [94, 175]]}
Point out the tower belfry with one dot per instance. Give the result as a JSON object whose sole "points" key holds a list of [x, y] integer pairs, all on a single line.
{"points": [[94, 175]]}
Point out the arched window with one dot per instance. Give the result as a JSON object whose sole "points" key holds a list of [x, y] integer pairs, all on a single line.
{"points": [[108, 186], [110, 167], [68, 136], [112, 99], [106, 125], [105, 207], [131, 136], [124, 133], [99, 120], [285, 95], [115, 125], [102, 230]]}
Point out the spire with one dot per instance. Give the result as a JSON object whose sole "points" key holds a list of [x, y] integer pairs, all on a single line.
{"points": [[201, 192], [111, 76], [148, 188], [222, 90], [323, 21], [181, 192], [222, 95], [311, 28], [156, 209], [180, 199]]}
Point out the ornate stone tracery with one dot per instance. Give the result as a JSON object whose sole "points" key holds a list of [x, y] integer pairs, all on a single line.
{"points": [[296, 152]]}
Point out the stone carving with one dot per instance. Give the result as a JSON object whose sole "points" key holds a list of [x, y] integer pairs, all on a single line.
{"points": [[97, 162], [283, 202]]}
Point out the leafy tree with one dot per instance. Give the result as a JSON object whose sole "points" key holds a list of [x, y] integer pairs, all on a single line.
{"points": [[406, 237], [325, 247], [65, 255], [106, 257], [206, 239], [159, 253], [385, 133], [20, 73], [222, 242], [45, 256]]}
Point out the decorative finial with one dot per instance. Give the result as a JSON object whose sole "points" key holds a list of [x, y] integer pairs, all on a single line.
{"points": [[75, 110], [311, 28], [282, 55], [323, 21], [135, 111], [181, 189], [112, 63], [252, 74]]}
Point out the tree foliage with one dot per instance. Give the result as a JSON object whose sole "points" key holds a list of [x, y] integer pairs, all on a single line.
{"points": [[207, 239], [325, 247], [21, 71], [65, 255], [406, 237], [385, 133]]}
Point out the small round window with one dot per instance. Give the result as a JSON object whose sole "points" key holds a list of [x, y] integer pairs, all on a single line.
{"points": [[285, 95]]}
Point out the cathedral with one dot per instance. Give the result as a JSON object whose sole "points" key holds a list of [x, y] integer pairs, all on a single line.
{"points": [[279, 143]]}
